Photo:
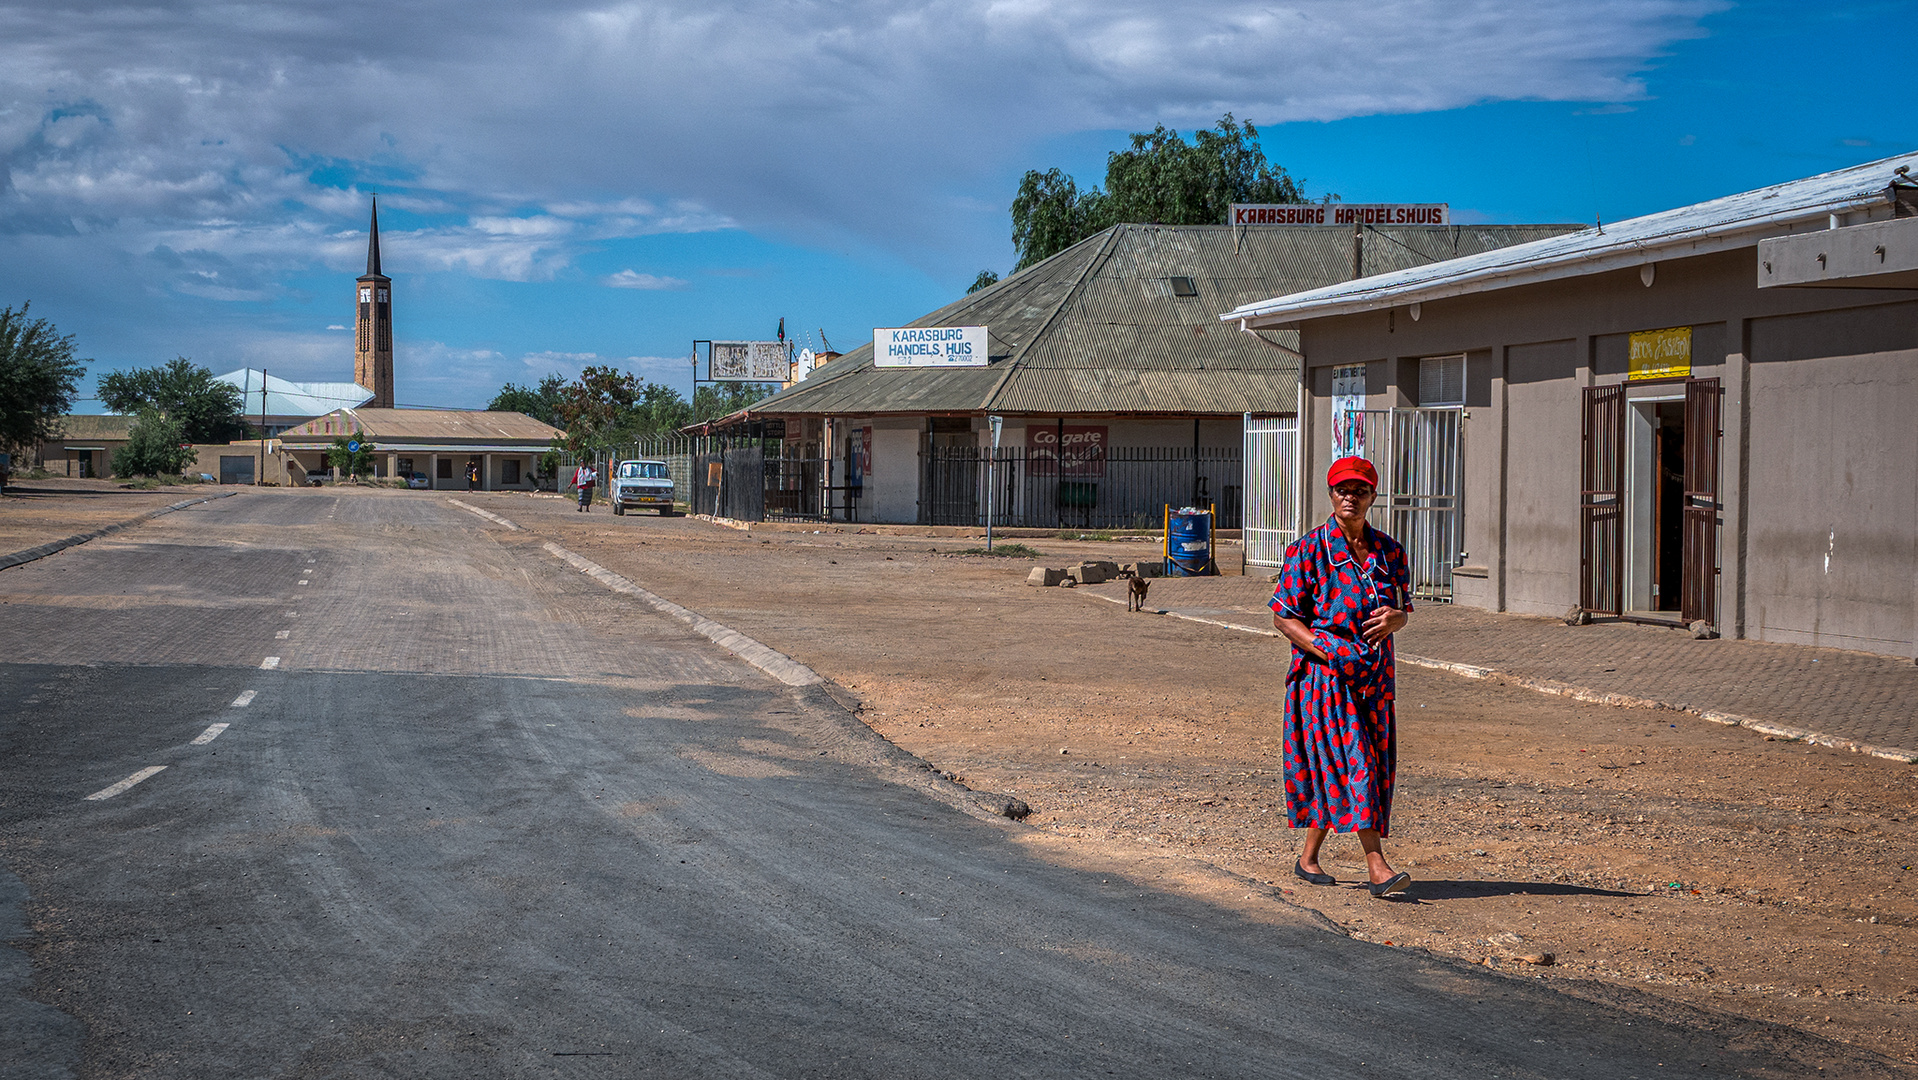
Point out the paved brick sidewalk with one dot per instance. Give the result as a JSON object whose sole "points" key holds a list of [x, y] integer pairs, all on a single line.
{"points": [[1842, 697]]}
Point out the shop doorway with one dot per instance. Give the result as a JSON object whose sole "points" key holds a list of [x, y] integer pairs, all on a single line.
{"points": [[1649, 502]]}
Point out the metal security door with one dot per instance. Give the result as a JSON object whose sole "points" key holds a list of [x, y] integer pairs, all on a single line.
{"points": [[1601, 504], [1271, 490], [1424, 493], [1699, 583]]}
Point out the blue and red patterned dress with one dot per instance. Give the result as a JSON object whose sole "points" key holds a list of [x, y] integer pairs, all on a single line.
{"points": [[1340, 752]]}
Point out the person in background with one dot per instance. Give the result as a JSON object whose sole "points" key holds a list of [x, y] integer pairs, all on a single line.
{"points": [[584, 479], [1344, 592]]}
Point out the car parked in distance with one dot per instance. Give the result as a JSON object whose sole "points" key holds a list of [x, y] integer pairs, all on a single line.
{"points": [[418, 480], [640, 485]]}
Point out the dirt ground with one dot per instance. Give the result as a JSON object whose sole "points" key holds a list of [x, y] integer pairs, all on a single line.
{"points": [[1641, 850], [35, 512], [1705, 865]]}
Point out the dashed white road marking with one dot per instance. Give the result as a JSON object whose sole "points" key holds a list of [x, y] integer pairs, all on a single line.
{"points": [[282, 635], [302, 582], [270, 663], [110, 792], [292, 614], [246, 698], [209, 734]]}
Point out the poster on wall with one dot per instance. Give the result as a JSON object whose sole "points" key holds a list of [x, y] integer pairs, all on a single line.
{"points": [[1348, 405], [1077, 450], [860, 467]]}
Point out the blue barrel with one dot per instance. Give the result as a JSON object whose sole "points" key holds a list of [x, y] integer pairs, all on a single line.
{"points": [[1188, 543]]}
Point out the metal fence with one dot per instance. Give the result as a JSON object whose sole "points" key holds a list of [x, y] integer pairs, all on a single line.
{"points": [[1271, 489], [1123, 488], [767, 479]]}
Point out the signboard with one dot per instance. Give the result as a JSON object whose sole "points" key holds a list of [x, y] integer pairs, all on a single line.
{"points": [[929, 346], [1348, 407], [1341, 214], [1077, 450], [1661, 354], [749, 361]]}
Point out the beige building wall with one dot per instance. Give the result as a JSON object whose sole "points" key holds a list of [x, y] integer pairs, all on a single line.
{"points": [[1818, 458]]}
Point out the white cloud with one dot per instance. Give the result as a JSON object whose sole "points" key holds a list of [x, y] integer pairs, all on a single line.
{"points": [[630, 279], [556, 125]]}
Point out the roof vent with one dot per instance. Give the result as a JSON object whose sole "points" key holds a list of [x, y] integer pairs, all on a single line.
{"points": [[1184, 286]]}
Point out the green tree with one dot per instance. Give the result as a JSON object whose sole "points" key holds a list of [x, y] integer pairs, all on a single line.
{"points": [[352, 462], [39, 378], [985, 278], [207, 410], [156, 446], [539, 402], [592, 408], [720, 399], [1161, 178]]}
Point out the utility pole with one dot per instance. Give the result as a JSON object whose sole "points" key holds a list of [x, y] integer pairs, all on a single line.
{"points": [[259, 473], [998, 424]]}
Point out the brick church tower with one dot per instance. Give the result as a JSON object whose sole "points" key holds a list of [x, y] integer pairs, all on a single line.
{"points": [[373, 337]]}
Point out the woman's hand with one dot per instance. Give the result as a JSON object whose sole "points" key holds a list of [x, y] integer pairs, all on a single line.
{"points": [[1383, 623], [1299, 634]]}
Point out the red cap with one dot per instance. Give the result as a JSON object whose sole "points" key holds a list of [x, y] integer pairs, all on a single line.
{"points": [[1351, 468]]}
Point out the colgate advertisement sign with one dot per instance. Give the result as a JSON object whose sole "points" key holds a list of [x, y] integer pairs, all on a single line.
{"points": [[1341, 213], [1075, 450]]}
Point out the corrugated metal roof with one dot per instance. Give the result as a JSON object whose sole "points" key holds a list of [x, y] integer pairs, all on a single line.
{"points": [[1733, 221], [1098, 328], [286, 398], [436, 425]]}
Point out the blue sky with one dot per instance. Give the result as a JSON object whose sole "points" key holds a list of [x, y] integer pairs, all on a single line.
{"points": [[585, 181]]}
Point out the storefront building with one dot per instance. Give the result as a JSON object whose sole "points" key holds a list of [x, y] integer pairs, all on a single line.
{"points": [[1699, 416]]}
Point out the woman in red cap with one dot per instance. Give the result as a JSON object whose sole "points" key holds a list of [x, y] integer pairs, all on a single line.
{"points": [[1344, 592]]}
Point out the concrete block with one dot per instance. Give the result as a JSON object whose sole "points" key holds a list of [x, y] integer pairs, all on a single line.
{"points": [[1110, 569], [1045, 576], [1090, 574], [1148, 569]]}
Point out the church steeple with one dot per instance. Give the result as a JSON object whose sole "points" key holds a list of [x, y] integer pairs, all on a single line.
{"points": [[373, 242], [373, 340]]}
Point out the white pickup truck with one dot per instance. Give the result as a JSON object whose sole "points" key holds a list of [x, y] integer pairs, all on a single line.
{"points": [[639, 485]]}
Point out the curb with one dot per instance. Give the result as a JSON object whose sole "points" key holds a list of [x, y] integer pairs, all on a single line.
{"points": [[764, 657], [487, 514], [21, 558], [1603, 697]]}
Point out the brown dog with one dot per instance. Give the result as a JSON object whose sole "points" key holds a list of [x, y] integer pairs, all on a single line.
{"points": [[1135, 594]]}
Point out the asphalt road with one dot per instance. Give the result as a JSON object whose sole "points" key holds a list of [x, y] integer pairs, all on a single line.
{"points": [[472, 815]]}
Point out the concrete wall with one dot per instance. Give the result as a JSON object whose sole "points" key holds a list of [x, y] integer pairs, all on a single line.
{"points": [[1833, 541], [1819, 394]]}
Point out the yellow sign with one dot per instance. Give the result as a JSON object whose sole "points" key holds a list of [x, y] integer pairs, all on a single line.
{"points": [[1661, 354]]}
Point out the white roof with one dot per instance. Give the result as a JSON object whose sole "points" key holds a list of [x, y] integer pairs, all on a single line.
{"points": [[284, 398], [1731, 222]]}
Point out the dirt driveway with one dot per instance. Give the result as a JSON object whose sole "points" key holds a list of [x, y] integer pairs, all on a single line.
{"points": [[1645, 852]]}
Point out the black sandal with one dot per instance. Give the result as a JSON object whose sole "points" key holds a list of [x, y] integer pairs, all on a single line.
{"points": [[1299, 869], [1396, 883]]}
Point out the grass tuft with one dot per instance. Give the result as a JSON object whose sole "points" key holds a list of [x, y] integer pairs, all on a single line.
{"points": [[1004, 551]]}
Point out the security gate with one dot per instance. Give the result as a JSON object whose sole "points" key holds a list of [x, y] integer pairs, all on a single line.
{"points": [[1420, 455], [1424, 493], [1271, 488]]}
